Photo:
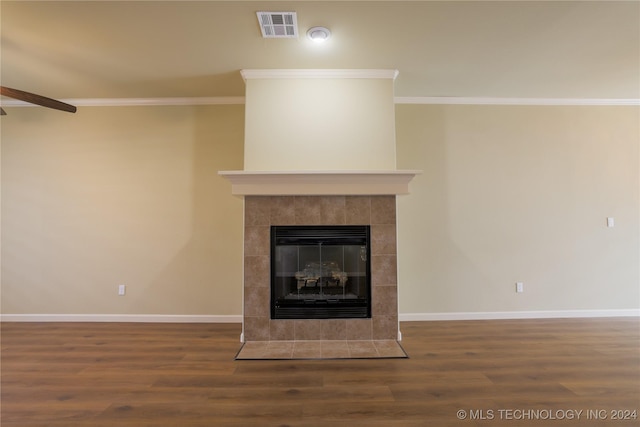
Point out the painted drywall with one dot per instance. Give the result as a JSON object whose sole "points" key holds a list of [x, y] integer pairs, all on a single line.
{"points": [[319, 124], [518, 194], [131, 195], [113, 196]]}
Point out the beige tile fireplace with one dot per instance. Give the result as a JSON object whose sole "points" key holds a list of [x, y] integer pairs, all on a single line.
{"points": [[263, 211]]}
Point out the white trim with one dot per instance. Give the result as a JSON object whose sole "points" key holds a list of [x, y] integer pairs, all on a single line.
{"points": [[316, 183], [244, 209], [403, 317], [420, 100], [319, 74], [497, 315], [445, 100], [138, 102], [146, 318]]}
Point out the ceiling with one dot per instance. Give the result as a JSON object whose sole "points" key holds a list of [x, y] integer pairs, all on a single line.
{"points": [[148, 49]]}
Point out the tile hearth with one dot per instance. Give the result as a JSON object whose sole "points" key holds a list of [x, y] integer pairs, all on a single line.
{"points": [[323, 349]]}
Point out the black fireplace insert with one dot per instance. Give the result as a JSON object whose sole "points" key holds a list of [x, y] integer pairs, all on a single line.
{"points": [[320, 272]]}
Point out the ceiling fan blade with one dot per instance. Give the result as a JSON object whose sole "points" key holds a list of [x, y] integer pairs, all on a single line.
{"points": [[32, 98]]}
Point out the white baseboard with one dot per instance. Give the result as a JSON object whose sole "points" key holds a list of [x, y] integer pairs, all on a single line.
{"points": [[141, 318], [403, 317], [496, 315]]}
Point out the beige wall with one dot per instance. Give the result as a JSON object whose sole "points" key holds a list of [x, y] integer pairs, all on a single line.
{"points": [[518, 194], [319, 124], [114, 196], [131, 195]]}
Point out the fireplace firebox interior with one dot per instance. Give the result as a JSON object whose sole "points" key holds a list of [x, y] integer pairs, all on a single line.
{"points": [[320, 272]]}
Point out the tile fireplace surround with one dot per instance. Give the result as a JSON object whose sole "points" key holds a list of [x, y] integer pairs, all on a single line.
{"points": [[263, 211]]}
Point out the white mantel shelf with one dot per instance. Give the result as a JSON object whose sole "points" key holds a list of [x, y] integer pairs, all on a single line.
{"points": [[319, 183]]}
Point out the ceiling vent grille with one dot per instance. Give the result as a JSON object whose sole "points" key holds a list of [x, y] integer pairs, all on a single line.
{"points": [[278, 24]]}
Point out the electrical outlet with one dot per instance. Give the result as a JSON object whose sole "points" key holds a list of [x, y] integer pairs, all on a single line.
{"points": [[122, 289], [519, 287]]}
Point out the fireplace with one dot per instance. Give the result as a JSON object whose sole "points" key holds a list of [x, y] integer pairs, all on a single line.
{"points": [[377, 213], [320, 272], [322, 155]]}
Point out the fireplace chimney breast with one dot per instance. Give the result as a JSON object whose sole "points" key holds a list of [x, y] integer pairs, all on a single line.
{"points": [[311, 120], [320, 150], [319, 132]]}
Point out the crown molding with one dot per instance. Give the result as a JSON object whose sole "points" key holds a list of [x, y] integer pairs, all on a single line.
{"points": [[137, 102], [416, 100], [319, 74], [445, 100]]}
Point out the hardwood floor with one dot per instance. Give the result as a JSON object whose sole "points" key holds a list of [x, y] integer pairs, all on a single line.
{"points": [[475, 373]]}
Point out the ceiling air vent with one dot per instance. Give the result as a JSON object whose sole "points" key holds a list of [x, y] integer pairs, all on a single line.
{"points": [[278, 24]]}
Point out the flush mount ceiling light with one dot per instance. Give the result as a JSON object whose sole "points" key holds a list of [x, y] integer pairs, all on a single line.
{"points": [[318, 34]]}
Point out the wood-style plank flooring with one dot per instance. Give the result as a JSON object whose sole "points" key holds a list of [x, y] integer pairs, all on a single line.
{"points": [[472, 373]]}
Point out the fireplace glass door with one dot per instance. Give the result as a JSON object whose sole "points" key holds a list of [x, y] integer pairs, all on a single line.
{"points": [[320, 272]]}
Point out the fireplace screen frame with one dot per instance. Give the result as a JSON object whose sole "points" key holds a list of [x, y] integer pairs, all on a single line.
{"points": [[328, 274]]}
